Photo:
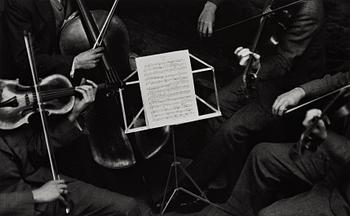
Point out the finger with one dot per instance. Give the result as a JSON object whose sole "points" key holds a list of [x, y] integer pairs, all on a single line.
{"points": [[82, 81], [63, 186], [279, 107], [96, 56], [97, 50], [89, 92], [256, 56], [210, 29], [244, 52], [275, 105], [82, 92], [282, 109], [60, 181], [199, 24], [321, 124], [237, 50], [91, 83], [202, 31], [243, 60]]}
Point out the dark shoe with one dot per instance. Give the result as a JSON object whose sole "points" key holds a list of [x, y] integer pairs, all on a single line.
{"points": [[182, 203], [190, 207]]}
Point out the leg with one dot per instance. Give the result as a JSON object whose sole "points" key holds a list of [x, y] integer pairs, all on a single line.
{"points": [[89, 200], [230, 142], [270, 174], [231, 99], [315, 202]]}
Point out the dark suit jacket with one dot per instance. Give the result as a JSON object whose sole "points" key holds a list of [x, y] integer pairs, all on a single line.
{"points": [[298, 58], [37, 17], [340, 144], [17, 204], [23, 157]]}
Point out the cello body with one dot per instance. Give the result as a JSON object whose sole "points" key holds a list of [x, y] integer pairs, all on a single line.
{"points": [[110, 146]]}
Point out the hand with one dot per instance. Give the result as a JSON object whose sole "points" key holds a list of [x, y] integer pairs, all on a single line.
{"points": [[206, 20], [286, 100], [243, 55], [320, 130], [50, 191], [88, 59], [88, 91]]}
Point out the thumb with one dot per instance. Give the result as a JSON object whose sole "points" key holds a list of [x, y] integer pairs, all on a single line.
{"points": [[83, 80]]}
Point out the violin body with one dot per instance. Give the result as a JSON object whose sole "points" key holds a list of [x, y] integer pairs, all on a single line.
{"points": [[18, 102]]}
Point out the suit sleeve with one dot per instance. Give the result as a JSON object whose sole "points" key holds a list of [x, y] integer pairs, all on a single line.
{"points": [[18, 19], [306, 23], [326, 84], [17, 204], [61, 132], [15, 194]]}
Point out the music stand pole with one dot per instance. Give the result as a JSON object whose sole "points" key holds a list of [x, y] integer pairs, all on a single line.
{"points": [[175, 166]]}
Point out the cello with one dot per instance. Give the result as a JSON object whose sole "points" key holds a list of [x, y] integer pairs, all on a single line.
{"points": [[110, 146]]}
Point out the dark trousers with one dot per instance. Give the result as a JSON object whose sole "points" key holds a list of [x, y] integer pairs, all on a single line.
{"points": [[88, 200], [274, 184], [229, 136]]}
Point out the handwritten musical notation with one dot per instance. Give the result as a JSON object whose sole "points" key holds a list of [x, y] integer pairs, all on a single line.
{"points": [[167, 88]]}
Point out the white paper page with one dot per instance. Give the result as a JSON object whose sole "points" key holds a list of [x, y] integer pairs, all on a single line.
{"points": [[167, 88]]}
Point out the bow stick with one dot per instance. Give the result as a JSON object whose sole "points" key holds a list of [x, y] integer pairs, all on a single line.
{"points": [[103, 31], [265, 13], [50, 152]]}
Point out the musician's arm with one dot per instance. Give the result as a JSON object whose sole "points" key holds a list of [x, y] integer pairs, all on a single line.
{"points": [[18, 19], [306, 23], [64, 132], [328, 83], [17, 203], [68, 129]]}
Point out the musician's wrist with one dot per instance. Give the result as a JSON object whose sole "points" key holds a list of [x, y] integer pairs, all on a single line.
{"points": [[210, 6], [37, 197], [300, 91]]}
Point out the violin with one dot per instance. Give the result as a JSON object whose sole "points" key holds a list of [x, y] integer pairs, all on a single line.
{"points": [[338, 107], [18, 102]]}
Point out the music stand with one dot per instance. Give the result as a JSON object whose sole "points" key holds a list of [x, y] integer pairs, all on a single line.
{"points": [[131, 127]]}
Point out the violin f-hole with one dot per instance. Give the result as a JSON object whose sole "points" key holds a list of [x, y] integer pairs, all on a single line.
{"points": [[12, 102]]}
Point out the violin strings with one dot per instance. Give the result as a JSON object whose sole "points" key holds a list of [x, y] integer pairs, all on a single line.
{"points": [[47, 95]]}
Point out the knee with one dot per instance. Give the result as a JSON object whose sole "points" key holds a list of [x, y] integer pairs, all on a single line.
{"points": [[233, 133], [267, 212], [132, 208], [262, 155], [261, 151], [263, 212]]}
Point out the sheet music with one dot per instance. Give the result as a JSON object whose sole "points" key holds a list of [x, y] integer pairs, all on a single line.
{"points": [[167, 88]]}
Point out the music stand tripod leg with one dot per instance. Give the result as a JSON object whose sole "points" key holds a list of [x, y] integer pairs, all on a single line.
{"points": [[174, 166]]}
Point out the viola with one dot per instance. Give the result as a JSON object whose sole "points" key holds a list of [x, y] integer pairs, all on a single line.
{"points": [[19, 102]]}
